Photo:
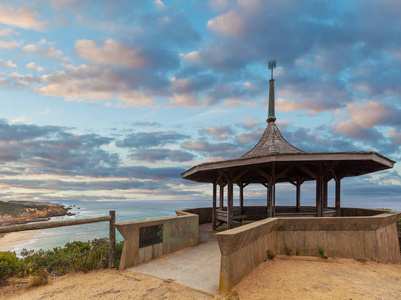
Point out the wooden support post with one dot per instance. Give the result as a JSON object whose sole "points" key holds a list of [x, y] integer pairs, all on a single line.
{"points": [[112, 240], [273, 190], [221, 195], [214, 205], [230, 202], [274, 200], [298, 196], [325, 189], [338, 197], [319, 196], [270, 198], [241, 197]]}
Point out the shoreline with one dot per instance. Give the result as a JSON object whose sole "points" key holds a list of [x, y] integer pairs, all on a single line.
{"points": [[11, 240]]}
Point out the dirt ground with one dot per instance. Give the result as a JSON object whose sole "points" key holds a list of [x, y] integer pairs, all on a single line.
{"points": [[289, 277]]}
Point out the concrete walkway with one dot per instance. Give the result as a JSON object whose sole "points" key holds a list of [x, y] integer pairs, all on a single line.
{"points": [[197, 267]]}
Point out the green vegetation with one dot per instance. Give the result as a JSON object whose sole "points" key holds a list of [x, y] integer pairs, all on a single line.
{"points": [[270, 254], [233, 296], [14, 209], [321, 253], [76, 256], [399, 225], [288, 250], [297, 252]]}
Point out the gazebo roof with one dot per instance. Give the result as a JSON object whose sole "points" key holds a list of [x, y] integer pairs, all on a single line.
{"points": [[275, 157], [297, 165], [271, 143]]}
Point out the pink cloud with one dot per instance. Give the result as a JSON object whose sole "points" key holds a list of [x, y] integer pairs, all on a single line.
{"points": [[112, 53], [22, 17]]}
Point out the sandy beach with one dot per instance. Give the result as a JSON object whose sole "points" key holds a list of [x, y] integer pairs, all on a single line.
{"points": [[11, 240]]}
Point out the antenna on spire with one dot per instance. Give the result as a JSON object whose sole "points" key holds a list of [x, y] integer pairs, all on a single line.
{"points": [[272, 65], [271, 118]]}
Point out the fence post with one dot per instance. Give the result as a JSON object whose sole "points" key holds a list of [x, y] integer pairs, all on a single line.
{"points": [[112, 240]]}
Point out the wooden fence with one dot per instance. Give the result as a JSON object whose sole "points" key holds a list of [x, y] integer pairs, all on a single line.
{"points": [[44, 225]]}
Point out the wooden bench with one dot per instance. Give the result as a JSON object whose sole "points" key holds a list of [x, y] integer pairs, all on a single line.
{"points": [[222, 216]]}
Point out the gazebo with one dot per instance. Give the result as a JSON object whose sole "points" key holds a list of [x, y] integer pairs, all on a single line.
{"points": [[273, 160]]}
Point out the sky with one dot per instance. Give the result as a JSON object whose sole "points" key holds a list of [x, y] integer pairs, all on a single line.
{"points": [[113, 100]]}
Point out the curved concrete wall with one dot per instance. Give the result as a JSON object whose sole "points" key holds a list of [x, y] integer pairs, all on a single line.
{"points": [[373, 237], [204, 213], [178, 233]]}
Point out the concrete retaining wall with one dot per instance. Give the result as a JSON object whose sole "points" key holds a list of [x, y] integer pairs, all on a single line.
{"points": [[244, 248], [204, 213], [178, 233]]}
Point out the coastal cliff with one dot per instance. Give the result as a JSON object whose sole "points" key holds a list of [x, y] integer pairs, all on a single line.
{"points": [[21, 212]]}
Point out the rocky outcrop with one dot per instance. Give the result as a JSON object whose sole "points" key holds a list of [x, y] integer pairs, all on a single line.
{"points": [[21, 212]]}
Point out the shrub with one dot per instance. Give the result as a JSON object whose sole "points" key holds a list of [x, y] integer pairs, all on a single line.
{"points": [[288, 250], [40, 278], [270, 255], [399, 225], [9, 265], [76, 255], [321, 253]]}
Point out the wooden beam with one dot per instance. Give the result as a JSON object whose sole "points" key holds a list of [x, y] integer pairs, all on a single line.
{"points": [[263, 173], [334, 175], [329, 167], [266, 185], [219, 177], [298, 191], [307, 171], [283, 172], [43, 225], [223, 173], [242, 173]]}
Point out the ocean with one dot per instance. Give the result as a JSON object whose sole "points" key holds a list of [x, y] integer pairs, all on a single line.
{"points": [[132, 211]]}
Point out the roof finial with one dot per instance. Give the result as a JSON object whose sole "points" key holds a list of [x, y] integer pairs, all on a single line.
{"points": [[271, 118], [272, 65]]}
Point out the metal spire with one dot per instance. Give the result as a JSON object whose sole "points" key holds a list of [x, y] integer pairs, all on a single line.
{"points": [[271, 116]]}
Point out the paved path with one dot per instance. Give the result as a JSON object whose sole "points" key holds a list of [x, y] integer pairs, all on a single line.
{"points": [[197, 267]]}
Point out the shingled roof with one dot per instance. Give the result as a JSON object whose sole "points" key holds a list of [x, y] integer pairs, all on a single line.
{"points": [[271, 143]]}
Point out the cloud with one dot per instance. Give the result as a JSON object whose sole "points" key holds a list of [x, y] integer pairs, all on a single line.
{"points": [[192, 57], [112, 53], [44, 48], [158, 154], [147, 124], [6, 32], [21, 17], [7, 64], [9, 45], [395, 136], [32, 65], [372, 113], [250, 137], [159, 4], [218, 132], [78, 83], [220, 150], [151, 139]]}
